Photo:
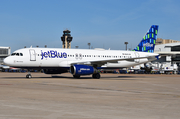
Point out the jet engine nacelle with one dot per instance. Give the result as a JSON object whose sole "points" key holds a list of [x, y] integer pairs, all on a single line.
{"points": [[82, 70]]}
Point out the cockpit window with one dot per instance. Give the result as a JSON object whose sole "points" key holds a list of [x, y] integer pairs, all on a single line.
{"points": [[13, 54], [16, 54]]}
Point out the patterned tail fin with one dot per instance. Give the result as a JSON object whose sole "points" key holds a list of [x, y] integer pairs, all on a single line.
{"points": [[147, 44]]}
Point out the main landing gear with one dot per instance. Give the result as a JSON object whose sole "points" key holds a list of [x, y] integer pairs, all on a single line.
{"points": [[76, 76], [96, 76]]}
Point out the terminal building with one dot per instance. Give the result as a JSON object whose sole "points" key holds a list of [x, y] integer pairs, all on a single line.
{"points": [[4, 52], [169, 61], [160, 41], [170, 48], [170, 54]]}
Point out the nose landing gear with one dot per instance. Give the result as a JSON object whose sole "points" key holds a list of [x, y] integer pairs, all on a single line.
{"points": [[29, 75]]}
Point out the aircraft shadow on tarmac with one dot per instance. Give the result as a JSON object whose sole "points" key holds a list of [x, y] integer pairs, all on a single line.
{"points": [[82, 78], [102, 78]]}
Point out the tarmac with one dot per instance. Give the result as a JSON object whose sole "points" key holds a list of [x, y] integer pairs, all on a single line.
{"points": [[113, 96]]}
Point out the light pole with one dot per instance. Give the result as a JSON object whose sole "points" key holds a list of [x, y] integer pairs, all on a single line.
{"points": [[89, 45]]}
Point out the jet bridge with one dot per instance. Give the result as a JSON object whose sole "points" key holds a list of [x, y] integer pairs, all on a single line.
{"points": [[4, 52]]}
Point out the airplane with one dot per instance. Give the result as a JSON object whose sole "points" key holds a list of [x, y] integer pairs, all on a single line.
{"points": [[83, 61]]}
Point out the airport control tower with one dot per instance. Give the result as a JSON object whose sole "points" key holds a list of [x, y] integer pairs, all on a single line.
{"points": [[66, 39]]}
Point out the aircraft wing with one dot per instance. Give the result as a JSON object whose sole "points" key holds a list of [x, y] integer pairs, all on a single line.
{"points": [[102, 62]]}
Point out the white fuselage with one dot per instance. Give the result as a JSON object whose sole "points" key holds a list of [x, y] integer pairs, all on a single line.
{"points": [[57, 57]]}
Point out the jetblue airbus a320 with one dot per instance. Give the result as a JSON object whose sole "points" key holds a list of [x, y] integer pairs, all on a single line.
{"points": [[83, 61]]}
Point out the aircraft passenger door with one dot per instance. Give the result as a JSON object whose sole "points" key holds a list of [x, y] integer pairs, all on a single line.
{"points": [[137, 55], [32, 55]]}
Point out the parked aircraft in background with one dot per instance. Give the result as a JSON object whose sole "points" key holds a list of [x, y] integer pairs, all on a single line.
{"points": [[83, 61]]}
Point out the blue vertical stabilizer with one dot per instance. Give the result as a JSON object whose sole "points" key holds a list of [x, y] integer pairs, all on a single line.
{"points": [[147, 44]]}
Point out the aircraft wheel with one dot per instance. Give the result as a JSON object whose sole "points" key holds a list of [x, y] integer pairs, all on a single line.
{"points": [[93, 76], [76, 76], [28, 76], [96, 76]]}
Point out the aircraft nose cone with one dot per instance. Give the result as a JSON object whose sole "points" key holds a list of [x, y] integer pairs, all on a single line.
{"points": [[7, 61]]}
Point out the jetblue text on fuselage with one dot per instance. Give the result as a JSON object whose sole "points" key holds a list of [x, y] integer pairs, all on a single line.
{"points": [[53, 54]]}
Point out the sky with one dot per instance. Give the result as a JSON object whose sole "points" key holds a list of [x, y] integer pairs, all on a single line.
{"points": [[103, 23]]}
